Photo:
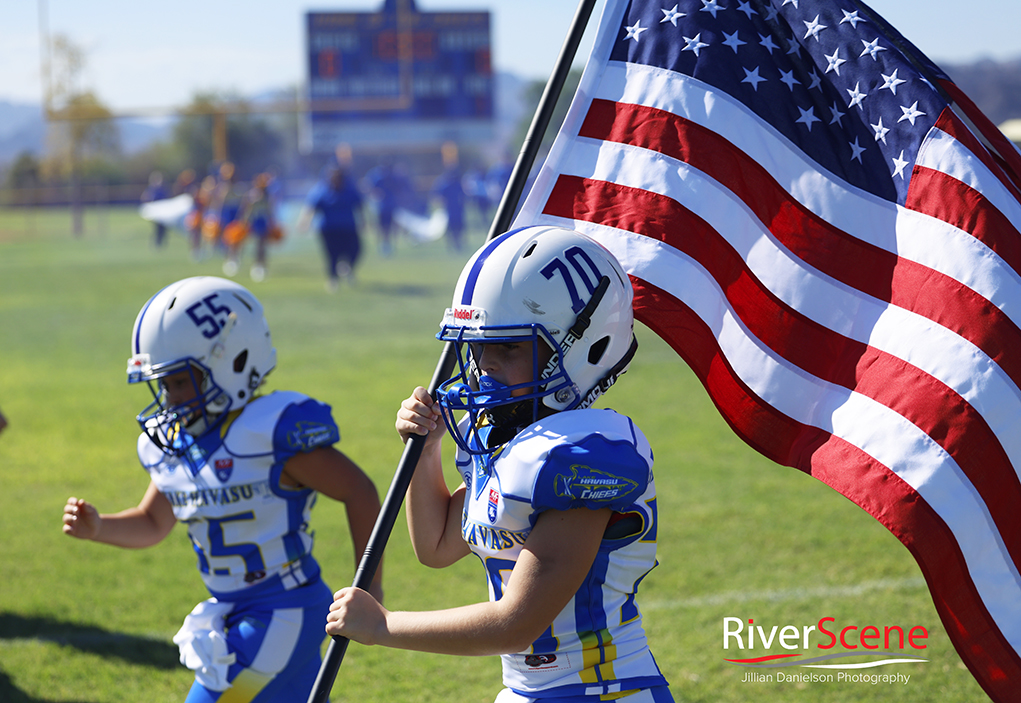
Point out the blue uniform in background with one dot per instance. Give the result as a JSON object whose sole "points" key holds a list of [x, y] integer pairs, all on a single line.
{"points": [[337, 201]]}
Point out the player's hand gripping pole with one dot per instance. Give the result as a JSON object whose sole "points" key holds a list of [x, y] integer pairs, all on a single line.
{"points": [[444, 368]]}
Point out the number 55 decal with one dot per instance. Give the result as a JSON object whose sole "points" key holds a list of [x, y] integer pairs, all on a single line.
{"points": [[208, 322]]}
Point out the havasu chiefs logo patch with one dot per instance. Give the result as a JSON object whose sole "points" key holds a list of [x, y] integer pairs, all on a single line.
{"points": [[494, 501], [223, 469]]}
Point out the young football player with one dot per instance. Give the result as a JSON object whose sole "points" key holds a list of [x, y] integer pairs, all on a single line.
{"points": [[242, 470], [557, 498]]}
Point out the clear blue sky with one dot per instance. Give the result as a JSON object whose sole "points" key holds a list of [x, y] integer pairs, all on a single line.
{"points": [[145, 54]]}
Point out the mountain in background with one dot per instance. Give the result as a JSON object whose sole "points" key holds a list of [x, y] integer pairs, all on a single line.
{"points": [[995, 86], [22, 128]]}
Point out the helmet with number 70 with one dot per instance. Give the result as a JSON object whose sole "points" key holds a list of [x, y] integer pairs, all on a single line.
{"points": [[206, 331], [557, 288]]}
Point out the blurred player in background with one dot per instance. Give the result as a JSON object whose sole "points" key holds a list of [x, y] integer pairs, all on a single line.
{"points": [[338, 202], [557, 499], [242, 470], [257, 219], [221, 213], [156, 191]]}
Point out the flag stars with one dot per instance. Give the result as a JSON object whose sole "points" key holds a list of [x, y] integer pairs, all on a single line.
{"points": [[808, 117], [733, 41], [814, 27], [753, 78], [816, 79], [746, 8], [892, 81], [880, 131], [671, 15], [851, 17], [856, 150], [712, 7], [834, 62], [871, 48], [635, 31], [694, 44], [910, 113], [790, 2], [788, 78], [898, 165], [836, 115], [766, 42], [856, 96]]}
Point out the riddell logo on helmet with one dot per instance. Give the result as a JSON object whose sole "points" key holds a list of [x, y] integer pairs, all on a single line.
{"points": [[465, 314]]}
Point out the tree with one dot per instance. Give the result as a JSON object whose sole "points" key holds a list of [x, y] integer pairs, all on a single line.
{"points": [[81, 127]]}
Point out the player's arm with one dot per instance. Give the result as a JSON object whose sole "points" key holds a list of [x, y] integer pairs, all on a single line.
{"points": [[333, 474], [552, 566], [142, 526], [434, 514]]}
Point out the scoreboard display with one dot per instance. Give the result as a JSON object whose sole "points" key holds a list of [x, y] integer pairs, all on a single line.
{"points": [[398, 76]]}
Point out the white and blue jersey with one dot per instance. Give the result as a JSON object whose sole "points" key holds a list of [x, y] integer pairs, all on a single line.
{"points": [[589, 458], [251, 534], [260, 634]]}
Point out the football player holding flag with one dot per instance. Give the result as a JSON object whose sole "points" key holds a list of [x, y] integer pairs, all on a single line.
{"points": [[242, 470], [557, 498]]}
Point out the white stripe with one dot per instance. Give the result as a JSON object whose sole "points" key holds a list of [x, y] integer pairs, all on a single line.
{"points": [[941, 152], [281, 638], [879, 432], [953, 360]]}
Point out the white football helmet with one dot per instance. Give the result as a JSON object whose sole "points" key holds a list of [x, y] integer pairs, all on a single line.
{"points": [[214, 329], [540, 283]]}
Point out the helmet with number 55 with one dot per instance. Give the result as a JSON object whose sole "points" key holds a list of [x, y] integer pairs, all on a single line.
{"points": [[557, 288], [209, 335]]}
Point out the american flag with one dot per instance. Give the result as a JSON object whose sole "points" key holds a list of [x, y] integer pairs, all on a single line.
{"points": [[825, 228]]}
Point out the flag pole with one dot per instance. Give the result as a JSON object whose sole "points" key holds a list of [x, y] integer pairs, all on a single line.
{"points": [[413, 448]]}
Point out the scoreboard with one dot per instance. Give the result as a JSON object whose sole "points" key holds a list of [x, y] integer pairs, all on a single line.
{"points": [[398, 77]]}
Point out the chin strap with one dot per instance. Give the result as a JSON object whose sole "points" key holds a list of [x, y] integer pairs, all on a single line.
{"points": [[577, 331]]}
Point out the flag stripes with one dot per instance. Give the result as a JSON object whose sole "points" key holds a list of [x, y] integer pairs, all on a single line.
{"points": [[873, 344]]}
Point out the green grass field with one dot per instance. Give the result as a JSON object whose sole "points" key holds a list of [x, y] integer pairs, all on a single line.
{"points": [[739, 536]]}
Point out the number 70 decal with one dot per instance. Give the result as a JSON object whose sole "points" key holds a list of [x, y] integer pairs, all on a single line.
{"points": [[583, 266]]}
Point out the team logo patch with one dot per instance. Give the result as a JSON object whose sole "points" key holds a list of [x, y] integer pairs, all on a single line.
{"points": [[309, 435], [223, 469], [545, 663], [494, 502], [534, 660], [586, 483]]}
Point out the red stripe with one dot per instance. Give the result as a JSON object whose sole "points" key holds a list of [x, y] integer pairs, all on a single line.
{"points": [[868, 268], [944, 197], [921, 398], [854, 474]]}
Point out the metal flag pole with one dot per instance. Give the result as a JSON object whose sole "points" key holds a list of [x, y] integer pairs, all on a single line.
{"points": [[413, 448]]}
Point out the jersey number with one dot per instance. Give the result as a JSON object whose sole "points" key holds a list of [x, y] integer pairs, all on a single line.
{"points": [[248, 551], [578, 260]]}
